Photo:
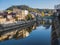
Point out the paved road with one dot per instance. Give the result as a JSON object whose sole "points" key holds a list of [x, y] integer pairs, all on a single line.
{"points": [[19, 24]]}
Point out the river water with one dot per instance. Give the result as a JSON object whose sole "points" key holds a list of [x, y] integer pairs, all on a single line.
{"points": [[40, 36]]}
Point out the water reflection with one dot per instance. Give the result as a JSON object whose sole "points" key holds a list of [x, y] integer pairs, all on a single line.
{"points": [[23, 33], [17, 34]]}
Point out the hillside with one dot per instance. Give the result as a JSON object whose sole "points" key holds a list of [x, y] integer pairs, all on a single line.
{"points": [[24, 7]]}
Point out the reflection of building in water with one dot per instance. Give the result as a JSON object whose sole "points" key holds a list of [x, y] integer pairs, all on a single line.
{"points": [[17, 34], [14, 34], [46, 21]]}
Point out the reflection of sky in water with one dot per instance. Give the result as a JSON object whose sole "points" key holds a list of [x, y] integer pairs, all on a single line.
{"points": [[39, 36]]}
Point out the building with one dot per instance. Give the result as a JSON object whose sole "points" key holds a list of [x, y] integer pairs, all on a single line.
{"points": [[2, 20], [24, 13], [10, 19], [6, 17], [20, 14], [57, 10], [57, 7]]}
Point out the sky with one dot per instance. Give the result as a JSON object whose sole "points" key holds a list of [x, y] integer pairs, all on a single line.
{"points": [[41, 4]]}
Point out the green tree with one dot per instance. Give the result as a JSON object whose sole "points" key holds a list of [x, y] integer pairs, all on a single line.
{"points": [[42, 14], [29, 17]]}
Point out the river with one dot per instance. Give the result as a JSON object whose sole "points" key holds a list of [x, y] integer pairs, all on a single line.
{"points": [[40, 36]]}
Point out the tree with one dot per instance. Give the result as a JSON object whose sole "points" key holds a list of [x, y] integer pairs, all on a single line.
{"points": [[29, 17], [42, 14]]}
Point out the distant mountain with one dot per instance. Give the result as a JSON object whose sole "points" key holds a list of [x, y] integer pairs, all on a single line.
{"points": [[25, 7]]}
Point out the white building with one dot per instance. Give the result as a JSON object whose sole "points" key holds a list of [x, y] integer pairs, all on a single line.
{"points": [[20, 14], [26, 12], [19, 11]]}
